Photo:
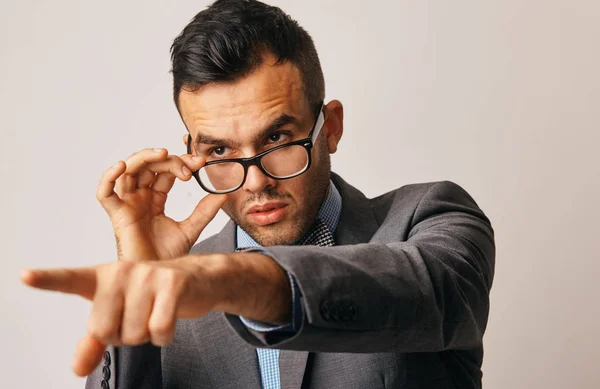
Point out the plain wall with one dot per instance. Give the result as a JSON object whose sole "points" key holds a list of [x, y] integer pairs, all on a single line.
{"points": [[502, 97]]}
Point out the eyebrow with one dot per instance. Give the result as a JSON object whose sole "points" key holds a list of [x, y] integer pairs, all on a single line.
{"points": [[275, 125]]}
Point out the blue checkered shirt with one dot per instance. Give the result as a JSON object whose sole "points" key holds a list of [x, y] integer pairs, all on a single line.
{"points": [[268, 359]]}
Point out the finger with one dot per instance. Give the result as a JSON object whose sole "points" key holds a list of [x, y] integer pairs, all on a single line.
{"points": [[87, 355], [105, 192], [161, 324], [145, 178], [205, 211], [180, 167], [81, 281], [104, 322], [193, 162], [163, 183], [173, 165], [139, 299], [127, 183], [139, 160]]}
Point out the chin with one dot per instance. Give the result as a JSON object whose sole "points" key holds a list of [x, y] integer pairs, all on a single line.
{"points": [[276, 234]]}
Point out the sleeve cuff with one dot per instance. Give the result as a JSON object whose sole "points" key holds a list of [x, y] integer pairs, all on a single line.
{"points": [[297, 313]]}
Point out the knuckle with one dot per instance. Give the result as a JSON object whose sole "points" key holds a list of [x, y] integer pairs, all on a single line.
{"points": [[122, 269], [135, 154], [101, 197], [150, 154], [173, 280], [144, 274], [105, 174], [104, 333], [161, 330], [175, 160]]}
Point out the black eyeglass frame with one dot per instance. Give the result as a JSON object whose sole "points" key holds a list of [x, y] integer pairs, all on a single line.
{"points": [[307, 143]]}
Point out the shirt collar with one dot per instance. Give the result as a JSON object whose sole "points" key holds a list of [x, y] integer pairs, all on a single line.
{"points": [[329, 212]]}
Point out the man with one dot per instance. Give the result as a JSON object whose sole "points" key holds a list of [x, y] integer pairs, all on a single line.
{"points": [[310, 284]]}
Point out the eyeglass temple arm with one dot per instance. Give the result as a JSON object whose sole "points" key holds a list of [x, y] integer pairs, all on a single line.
{"points": [[318, 125]]}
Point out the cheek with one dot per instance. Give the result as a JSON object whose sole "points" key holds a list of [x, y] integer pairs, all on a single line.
{"points": [[297, 187], [234, 202]]}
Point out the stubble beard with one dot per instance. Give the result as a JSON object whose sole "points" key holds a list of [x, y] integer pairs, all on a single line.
{"points": [[275, 235]]}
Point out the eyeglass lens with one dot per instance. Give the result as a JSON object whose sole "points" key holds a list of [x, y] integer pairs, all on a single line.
{"points": [[281, 163]]}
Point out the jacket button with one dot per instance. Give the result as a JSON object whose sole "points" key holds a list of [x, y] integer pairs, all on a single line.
{"points": [[104, 384], [325, 311], [343, 312], [106, 372], [352, 312], [334, 312], [107, 358]]}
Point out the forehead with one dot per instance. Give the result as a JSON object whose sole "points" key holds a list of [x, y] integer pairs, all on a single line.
{"points": [[237, 110]]}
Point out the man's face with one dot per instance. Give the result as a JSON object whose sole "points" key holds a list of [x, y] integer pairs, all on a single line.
{"points": [[242, 119]]}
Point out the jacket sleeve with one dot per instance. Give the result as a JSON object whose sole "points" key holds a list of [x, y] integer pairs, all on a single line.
{"points": [[426, 292], [104, 375]]}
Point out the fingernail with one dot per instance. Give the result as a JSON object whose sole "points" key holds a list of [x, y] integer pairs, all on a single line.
{"points": [[157, 150], [186, 171], [196, 158], [116, 165]]}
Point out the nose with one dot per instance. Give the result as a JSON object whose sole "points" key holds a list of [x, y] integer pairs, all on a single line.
{"points": [[257, 181]]}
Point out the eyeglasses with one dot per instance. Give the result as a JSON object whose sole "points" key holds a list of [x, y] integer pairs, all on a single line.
{"points": [[281, 163]]}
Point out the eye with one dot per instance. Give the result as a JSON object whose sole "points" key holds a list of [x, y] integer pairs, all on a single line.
{"points": [[275, 137], [280, 136], [218, 152]]}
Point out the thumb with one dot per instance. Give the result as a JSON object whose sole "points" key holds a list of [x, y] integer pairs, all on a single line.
{"points": [[205, 211], [88, 355]]}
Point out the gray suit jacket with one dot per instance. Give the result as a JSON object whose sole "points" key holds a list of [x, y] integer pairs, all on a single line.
{"points": [[400, 302]]}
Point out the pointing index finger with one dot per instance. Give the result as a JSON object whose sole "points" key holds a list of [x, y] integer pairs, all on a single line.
{"points": [[80, 281]]}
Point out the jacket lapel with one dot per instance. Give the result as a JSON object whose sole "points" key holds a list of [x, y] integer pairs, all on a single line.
{"points": [[230, 362], [357, 221], [292, 366]]}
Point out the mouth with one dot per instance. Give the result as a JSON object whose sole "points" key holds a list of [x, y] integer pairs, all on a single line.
{"points": [[268, 213]]}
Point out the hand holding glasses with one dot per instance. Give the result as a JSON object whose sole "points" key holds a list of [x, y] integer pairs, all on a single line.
{"points": [[134, 194]]}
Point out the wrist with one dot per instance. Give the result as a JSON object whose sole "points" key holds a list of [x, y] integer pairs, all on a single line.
{"points": [[254, 286]]}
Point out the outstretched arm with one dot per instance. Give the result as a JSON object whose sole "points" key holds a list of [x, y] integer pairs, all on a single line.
{"points": [[426, 293], [138, 302]]}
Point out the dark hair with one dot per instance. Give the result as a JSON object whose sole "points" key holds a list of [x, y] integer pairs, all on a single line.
{"points": [[227, 41]]}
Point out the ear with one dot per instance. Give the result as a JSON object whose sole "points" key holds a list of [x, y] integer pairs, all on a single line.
{"points": [[334, 124], [186, 139]]}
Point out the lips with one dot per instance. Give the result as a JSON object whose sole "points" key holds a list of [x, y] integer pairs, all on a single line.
{"points": [[268, 213]]}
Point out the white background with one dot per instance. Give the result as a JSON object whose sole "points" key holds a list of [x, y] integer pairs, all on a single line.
{"points": [[502, 97]]}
